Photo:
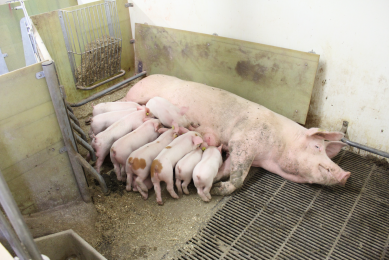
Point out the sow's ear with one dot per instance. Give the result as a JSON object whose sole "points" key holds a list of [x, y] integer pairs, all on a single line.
{"points": [[333, 148], [197, 140], [324, 135]]}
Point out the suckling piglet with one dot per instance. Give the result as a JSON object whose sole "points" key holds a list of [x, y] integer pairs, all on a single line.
{"points": [[139, 162], [102, 121], [128, 143], [113, 106], [169, 114], [206, 170], [162, 166], [102, 142], [184, 169]]}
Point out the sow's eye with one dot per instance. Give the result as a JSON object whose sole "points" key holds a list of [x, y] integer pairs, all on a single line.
{"points": [[318, 148]]}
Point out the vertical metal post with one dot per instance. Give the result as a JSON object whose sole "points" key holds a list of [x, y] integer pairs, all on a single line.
{"points": [[15, 217], [109, 18], [64, 124], [12, 239], [67, 43]]}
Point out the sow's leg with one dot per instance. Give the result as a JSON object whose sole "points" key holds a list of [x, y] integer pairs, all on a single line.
{"points": [[241, 157]]}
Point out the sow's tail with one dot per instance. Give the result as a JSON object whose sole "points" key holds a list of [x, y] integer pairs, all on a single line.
{"points": [[156, 168]]}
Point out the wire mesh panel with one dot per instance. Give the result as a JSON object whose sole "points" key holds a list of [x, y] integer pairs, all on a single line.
{"points": [[93, 41]]}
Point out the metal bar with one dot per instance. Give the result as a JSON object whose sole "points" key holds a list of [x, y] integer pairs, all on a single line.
{"points": [[86, 146], [103, 75], [69, 107], [67, 44], [79, 130], [122, 72], [365, 148], [109, 19], [74, 118], [94, 37], [64, 124], [15, 217], [12, 239], [105, 91], [90, 169]]}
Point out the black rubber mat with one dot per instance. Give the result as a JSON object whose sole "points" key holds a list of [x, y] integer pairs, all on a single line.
{"points": [[271, 218]]}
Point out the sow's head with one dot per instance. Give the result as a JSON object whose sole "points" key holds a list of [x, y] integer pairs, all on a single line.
{"points": [[318, 146]]}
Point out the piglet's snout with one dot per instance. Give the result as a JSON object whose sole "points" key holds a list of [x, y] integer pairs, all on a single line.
{"points": [[343, 178]]}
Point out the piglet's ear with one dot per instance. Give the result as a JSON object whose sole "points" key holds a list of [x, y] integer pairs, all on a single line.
{"points": [[184, 110], [324, 135], [197, 140], [333, 148], [162, 130], [182, 130], [157, 125], [146, 119], [220, 148]]}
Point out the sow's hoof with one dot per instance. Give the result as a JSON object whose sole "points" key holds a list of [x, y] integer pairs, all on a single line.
{"points": [[222, 188]]}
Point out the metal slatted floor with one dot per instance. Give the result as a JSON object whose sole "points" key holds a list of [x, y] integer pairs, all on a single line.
{"points": [[271, 218]]}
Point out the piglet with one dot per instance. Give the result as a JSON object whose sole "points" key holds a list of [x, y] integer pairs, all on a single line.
{"points": [[169, 114], [184, 169], [148, 184], [113, 106], [102, 142], [206, 170], [101, 122], [139, 161], [162, 167], [125, 145]]}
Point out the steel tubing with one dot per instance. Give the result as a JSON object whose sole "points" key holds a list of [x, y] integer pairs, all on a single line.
{"points": [[105, 91], [15, 217], [365, 148]]}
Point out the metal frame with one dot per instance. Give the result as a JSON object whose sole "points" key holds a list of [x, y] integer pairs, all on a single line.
{"points": [[67, 132], [15, 217]]}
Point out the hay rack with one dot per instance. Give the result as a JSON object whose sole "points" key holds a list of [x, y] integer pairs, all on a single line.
{"points": [[93, 42]]}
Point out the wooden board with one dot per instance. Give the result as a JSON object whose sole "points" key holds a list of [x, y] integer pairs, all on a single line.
{"points": [[277, 78], [11, 38], [38, 175], [49, 28]]}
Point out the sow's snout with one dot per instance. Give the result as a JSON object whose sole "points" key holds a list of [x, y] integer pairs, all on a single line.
{"points": [[343, 178]]}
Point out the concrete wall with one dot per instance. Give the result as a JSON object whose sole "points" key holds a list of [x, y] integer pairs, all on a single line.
{"points": [[350, 36]]}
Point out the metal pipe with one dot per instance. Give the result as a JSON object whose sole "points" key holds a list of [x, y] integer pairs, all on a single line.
{"points": [[366, 148], [105, 91], [91, 170], [122, 72], [12, 239], [65, 127], [86, 146], [15, 217], [79, 130], [74, 118]]}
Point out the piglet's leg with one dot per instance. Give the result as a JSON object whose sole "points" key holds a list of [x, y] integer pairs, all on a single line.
{"points": [[224, 170], [185, 184], [144, 191], [129, 179], [200, 191], [242, 156], [206, 193], [178, 185]]}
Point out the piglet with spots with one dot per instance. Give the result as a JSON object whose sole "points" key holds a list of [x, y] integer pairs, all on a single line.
{"points": [[125, 145], [206, 170], [139, 161], [102, 142], [162, 166]]}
